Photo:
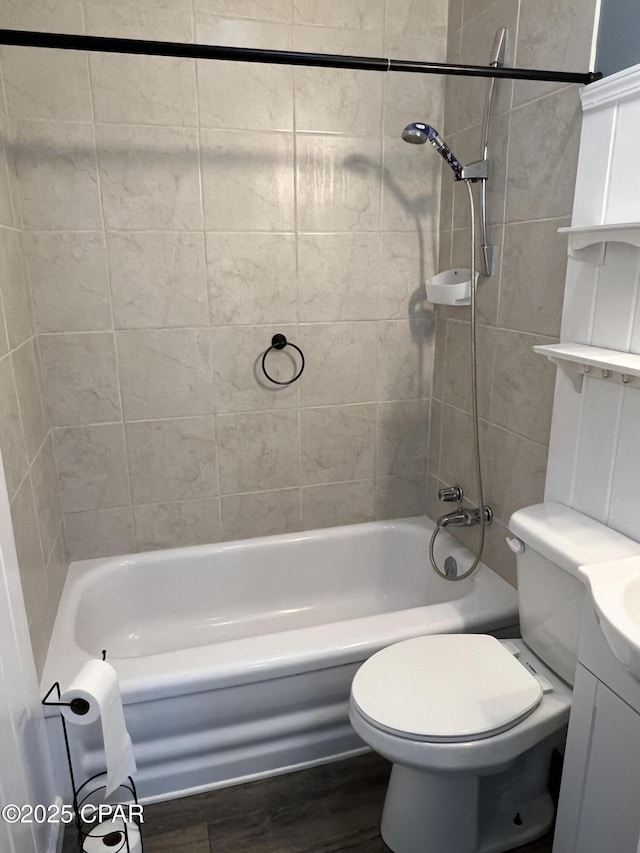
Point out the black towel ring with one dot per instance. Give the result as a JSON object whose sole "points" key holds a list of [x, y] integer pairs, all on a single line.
{"points": [[279, 341]]}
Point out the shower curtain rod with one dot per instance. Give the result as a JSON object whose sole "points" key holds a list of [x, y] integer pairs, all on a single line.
{"points": [[64, 41]]}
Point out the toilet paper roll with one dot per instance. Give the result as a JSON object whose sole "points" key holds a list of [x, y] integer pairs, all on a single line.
{"points": [[109, 836], [97, 684]]}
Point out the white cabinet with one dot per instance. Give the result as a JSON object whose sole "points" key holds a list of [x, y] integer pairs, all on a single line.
{"points": [[599, 809]]}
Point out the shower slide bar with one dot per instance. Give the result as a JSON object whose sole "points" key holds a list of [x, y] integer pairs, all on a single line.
{"points": [[63, 41]]}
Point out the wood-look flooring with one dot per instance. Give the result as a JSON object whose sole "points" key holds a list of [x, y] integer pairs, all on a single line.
{"points": [[332, 808]]}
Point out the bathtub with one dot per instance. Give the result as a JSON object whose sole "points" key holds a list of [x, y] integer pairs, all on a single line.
{"points": [[235, 660]]}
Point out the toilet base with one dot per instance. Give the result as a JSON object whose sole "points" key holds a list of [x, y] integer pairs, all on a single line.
{"points": [[428, 812]]}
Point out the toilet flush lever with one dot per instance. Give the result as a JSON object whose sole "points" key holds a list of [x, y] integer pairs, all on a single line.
{"points": [[515, 544]]}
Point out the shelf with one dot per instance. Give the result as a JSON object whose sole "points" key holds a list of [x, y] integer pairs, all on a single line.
{"points": [[580, 360], [587, 242]]}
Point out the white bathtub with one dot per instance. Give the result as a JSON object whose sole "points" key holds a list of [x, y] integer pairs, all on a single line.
{"points": [[235, 660]]}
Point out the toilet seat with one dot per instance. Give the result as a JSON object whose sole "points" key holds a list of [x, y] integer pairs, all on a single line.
{"points": [[445, 688]]}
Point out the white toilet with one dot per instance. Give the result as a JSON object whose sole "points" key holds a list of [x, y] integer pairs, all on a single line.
{"points": [[470, 722]]}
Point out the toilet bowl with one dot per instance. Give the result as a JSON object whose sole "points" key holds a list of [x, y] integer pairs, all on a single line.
{"points": [[470, 740], [470, 722]]}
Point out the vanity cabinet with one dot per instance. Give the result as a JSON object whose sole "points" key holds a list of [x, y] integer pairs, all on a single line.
{"points": [[599, 807]]}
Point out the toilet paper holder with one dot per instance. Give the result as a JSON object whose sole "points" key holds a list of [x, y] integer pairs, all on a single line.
{"points": [[82, 795]]}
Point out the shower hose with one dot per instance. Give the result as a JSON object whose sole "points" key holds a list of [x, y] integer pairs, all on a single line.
{"points": [[474, 414]]}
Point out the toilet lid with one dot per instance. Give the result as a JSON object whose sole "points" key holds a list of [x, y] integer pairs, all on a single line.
{"points": [[445, 687]]}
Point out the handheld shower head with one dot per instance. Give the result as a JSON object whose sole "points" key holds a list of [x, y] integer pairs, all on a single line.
{"points": [[419, 133]]}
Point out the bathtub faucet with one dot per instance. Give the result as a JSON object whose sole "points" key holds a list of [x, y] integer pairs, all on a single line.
{"points": [[462, 517]]}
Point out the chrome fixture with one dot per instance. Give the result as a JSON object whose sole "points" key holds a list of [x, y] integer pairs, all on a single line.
{"points": [[497, 60], [451, 567], [418, 133], [462, 517], [450, 494]]}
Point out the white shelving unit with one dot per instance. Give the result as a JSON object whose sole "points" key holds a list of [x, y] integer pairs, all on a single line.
{"points": [[580, 360], [588, 242]]}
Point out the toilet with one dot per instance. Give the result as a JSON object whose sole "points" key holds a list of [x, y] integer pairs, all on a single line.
{"points": [[471, 722]]}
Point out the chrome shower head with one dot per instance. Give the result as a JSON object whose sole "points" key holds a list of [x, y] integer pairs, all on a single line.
{"points": [[418, 133]]}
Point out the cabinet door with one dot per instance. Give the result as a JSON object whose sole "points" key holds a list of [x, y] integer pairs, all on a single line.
{"points": [[600, 801]]}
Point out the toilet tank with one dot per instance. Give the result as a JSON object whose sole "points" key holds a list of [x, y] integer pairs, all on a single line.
{"points": [[557, 540]]}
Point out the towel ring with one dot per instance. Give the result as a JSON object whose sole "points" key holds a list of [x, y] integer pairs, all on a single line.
{"points": [[279, 341]]}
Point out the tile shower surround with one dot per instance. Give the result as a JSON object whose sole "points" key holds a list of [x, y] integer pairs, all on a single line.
{"points": [[172, 227]]}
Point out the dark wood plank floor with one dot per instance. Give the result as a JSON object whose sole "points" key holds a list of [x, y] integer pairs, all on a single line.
{"points": [[332, 808]]}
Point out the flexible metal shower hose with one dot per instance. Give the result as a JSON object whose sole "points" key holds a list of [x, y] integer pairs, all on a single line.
{"points": [[474, 413]]}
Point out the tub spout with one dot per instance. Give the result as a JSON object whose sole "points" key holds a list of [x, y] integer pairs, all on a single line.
{"points": [[462, 517]]}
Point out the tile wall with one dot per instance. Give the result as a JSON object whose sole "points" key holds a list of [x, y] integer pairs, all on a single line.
{"points": [[26, 438], [534, 143], [176, 215]]}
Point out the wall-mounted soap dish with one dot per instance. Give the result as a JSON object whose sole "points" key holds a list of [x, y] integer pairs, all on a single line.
{"points": [[451, 287]]}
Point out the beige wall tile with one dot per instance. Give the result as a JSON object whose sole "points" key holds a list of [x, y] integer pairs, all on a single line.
{"points": [[253, 173], [411, 18], [92, 467], [400, 497], [412, 97], [523, 384], [338, 276], [258, 451], [99, 534], [403, 438], [338, 100], [564, 46], [245, 95], [405, 360], [41, 88], [338, 183], [251, 278], [457, 370], [69, 281], [457, 459], [7, 217], [341, 363], [266, 10], [497, 554], [16, 296], [162, 20], [435, 437], [406, 262], [42, 15], [260, 514], [515, 472], [57, 176], [46, 492], [80, 379], [347, 14], [238, 380], [338, 443], [334, 504], [158, 280], [172, 460], [27, 377], [164, 91], [12, 443], [534, 266], [411, 188], [149, 177], [174, 525], [543, 159], [165, 373], [28, 549]]}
